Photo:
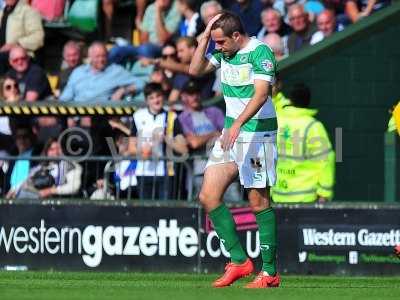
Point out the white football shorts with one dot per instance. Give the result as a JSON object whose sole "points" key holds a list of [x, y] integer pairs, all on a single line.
{"points": [[256, 161]]}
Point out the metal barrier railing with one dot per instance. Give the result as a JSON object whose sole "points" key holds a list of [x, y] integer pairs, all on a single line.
{"points": [[103, 178]]}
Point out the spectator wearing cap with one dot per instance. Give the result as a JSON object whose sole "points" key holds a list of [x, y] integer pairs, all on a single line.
{"points": [[326, 22], [201, 127], [19, 25]]}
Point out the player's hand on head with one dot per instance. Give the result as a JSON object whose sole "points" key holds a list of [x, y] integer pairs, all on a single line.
{"points": [[211, 22]]}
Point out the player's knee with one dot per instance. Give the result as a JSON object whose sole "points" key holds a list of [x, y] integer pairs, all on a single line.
{"points": [[204, 198]]}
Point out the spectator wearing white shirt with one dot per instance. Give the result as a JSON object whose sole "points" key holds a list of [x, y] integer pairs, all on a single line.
{"points": [[152, 138], [326, 22]]}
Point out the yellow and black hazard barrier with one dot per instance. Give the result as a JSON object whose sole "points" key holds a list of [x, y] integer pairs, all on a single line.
{"points": [[61, 109]]}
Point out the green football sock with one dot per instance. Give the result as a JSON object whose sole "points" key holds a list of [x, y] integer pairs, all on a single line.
{"points": [[267, 230], [225, 227]]}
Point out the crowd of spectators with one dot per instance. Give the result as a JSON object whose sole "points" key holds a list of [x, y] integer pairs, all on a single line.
{"points": [[153, 74]]}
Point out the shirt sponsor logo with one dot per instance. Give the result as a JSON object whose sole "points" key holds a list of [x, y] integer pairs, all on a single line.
{"points": [[236, 75]]}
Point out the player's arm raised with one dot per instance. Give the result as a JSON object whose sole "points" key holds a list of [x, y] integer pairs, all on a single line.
{"points": [[261, 92], [199, 64]]}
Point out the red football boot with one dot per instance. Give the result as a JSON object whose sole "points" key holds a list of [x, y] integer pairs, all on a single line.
{"points": [[264, 281], [234, 272]]}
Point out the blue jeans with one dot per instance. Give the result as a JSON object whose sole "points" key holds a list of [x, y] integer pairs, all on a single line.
{"points": [[122, 54]]}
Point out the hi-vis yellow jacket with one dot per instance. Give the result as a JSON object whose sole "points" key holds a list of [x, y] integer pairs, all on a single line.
{"points": [[306, 161], [280, 102], [394, 121]]}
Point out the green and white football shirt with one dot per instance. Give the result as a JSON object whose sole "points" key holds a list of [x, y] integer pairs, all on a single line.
{"points": [[255, 61]]}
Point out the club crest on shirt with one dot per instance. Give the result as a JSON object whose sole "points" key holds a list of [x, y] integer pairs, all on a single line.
{"points": [[267, 65], [244, 58]]}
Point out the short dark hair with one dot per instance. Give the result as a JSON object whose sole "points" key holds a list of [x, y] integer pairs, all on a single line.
{"points": [[48, 144], [152, 87], [300, 95], [229, 23], [191, 87]]}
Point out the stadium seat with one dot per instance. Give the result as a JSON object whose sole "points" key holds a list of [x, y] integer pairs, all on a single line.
{"points": [[83, 15], [62, 22]]}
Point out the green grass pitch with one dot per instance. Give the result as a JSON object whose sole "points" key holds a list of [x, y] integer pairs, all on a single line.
{"points": [[172, 286]]}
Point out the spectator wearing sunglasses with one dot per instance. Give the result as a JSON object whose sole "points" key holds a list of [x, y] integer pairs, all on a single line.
{"points": [[32, 80], [9, 90], [19, 25], [185, 47], [168, 53], [8, 93]]}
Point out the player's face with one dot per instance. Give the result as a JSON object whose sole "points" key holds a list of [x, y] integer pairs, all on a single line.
{"points": [[227, 45]]}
